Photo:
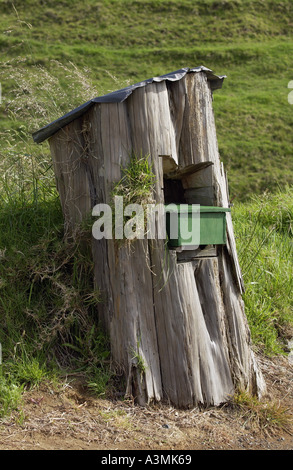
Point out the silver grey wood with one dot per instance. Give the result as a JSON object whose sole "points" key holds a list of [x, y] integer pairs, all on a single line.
{"points": [[177, 329]]}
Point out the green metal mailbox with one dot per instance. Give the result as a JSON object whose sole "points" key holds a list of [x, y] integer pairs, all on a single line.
{"points": [[210, 225]]}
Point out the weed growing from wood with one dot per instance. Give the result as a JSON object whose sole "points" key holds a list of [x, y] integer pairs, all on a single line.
{"points": [[136, 184], [10, 395]]}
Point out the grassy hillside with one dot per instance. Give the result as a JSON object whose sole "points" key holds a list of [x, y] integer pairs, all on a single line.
{"points": [[56, 55]]}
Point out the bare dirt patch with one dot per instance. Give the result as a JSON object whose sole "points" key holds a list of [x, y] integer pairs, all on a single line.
{"points": [[71, 419]]}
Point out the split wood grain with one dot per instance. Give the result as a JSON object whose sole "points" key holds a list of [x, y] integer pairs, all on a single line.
{"points": [[178, 330]]}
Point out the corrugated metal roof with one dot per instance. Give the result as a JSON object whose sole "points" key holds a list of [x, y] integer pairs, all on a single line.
{"points": [[119, 96]]}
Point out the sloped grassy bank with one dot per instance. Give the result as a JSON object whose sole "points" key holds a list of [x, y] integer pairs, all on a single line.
{"points": [[264, 236], [64, 53]]}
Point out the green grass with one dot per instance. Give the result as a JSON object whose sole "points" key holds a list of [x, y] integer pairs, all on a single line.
{"points": [[57, 55], [47, 302]]}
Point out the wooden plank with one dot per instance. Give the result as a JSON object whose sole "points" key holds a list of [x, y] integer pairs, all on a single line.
{"points": [[169, 314], [177, 101], [187, 256], [132, 328], [70, 170], [193, 141], [205, 115], [202, 366], [96, 164], [138, 122], [189, 171], [160, 131], [169, 164]]}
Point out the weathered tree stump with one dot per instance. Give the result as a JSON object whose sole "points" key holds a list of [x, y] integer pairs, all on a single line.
{"points": [[178, 329]]}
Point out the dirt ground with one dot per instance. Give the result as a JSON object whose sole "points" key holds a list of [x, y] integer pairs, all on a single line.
{"points": [[70, 419]]}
